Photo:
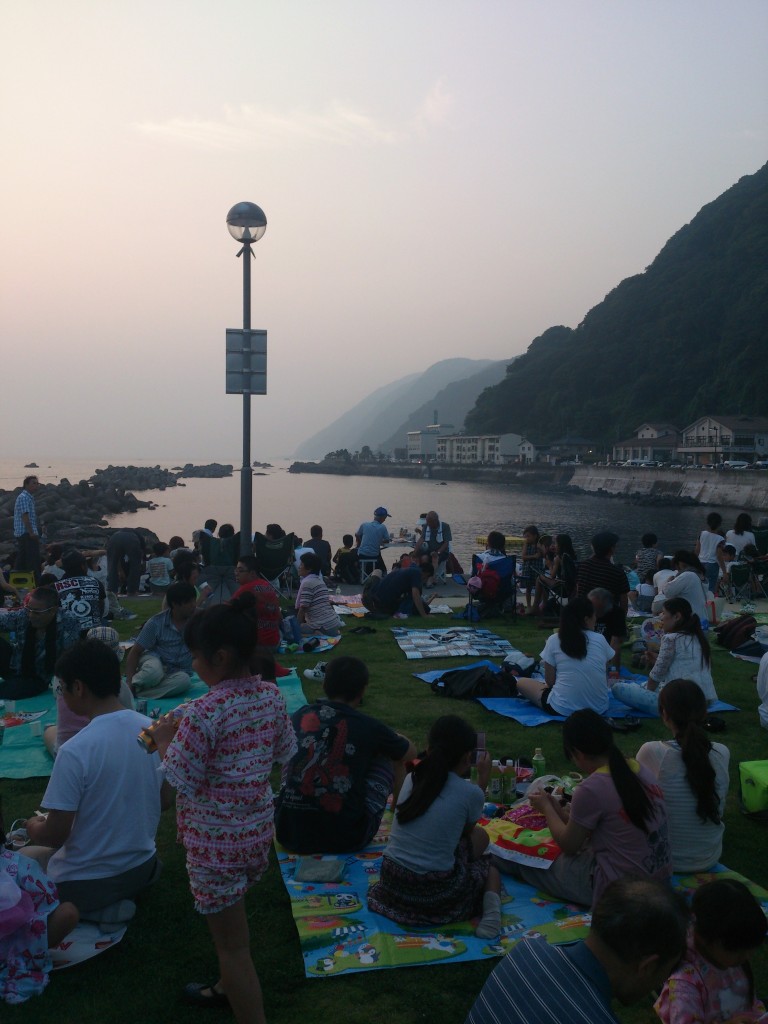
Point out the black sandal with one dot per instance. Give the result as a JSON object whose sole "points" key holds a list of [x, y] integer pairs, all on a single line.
{"points": [[193, 996], [362, 630]]}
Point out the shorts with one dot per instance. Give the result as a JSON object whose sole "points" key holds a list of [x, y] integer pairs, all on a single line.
{"points": [[545, 705], [218, 886]]}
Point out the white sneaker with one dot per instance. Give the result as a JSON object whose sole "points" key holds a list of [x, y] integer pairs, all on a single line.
{"points": [[316, 674]]}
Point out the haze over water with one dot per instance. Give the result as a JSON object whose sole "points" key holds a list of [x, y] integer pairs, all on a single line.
{"points": [[339, 504]]}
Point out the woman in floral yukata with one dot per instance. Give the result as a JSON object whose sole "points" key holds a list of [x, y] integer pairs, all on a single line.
{"points": [[219, 760]]}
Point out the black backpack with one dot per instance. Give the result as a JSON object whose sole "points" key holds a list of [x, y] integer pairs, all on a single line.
{"points": [[469, 683]]}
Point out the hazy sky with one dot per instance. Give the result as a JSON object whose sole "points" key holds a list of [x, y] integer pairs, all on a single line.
{"points": [[440, 178]]}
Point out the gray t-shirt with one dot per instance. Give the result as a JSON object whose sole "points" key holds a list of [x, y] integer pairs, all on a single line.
{"points": [[428, 843]]}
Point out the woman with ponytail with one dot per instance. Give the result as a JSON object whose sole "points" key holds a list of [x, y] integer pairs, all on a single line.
{"points": [[575, 661], [683, 654], [693, 775], [617, 825], [433, 870], [218, 760]]}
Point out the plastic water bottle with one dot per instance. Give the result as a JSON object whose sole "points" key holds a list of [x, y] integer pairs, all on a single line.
{"points": [[496, 783], [539, 763]]}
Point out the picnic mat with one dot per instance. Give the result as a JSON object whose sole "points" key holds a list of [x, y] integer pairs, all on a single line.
{"points": [[84, 942], [327, 643], [528, 714], [23, 756], [349, 604], [339, 935], [459, 642]]}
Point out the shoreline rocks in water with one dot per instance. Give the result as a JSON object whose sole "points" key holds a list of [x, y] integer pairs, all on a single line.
{"points": [[75, 513]]}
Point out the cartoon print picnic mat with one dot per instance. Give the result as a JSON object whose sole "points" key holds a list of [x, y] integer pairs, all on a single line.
{"points": [[459, 642], [339, 935]]}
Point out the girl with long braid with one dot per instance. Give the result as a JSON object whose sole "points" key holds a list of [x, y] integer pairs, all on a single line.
{"points": [[693, 775], [433, 870]]}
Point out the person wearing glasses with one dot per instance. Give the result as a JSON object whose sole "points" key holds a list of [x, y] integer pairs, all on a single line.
{"points": [[38, 633]]}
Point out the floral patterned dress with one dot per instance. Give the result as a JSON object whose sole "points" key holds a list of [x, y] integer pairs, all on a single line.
{"points": [[24, 958], [219, 762]]}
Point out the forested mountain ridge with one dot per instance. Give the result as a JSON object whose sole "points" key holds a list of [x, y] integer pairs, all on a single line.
{"points": [[685, 338]]}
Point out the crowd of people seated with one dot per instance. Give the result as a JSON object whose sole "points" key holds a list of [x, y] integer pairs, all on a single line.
{"points": [[629, 824]]}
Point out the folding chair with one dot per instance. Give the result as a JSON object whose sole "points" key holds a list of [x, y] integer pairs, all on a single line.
{"points": [[275, 560], [739, 584], [562, 589], [506, 592], [367, 565], [220, 556]]}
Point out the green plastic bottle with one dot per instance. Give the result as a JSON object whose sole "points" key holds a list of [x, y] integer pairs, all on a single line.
{"points": [[539, 763], [496, 783]]}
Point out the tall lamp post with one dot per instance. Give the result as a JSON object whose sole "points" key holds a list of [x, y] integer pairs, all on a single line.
{"points": [[246, 356]]}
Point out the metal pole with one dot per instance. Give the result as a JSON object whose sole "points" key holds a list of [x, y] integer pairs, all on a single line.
{"points": [[246, 495]]}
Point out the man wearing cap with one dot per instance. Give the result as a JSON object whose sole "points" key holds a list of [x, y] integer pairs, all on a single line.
{"points": [[372, 537], [599, 570]]}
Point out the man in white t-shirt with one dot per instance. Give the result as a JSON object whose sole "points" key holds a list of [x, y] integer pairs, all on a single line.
{"points": [[105, 794]]}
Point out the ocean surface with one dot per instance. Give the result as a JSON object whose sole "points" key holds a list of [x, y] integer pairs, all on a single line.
{"points": [[340, 504]]}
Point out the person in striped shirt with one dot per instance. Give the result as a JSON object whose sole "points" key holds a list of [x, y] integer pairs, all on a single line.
{"points": [[636, 940]]}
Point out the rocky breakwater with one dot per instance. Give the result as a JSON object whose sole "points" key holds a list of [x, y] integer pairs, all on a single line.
{"points": [[746, 489], [75, 513]]}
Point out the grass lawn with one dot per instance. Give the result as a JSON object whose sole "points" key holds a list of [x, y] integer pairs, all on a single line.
{"points": [[167, 944]]}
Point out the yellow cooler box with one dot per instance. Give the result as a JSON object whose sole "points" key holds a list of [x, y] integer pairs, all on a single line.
{"points": [[754, 785]]}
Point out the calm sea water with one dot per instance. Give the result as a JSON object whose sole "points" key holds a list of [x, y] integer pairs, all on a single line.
{"points": [[340, 504]]}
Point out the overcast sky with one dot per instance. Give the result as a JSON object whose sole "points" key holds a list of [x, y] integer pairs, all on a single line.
{"points": [[440, 178]]}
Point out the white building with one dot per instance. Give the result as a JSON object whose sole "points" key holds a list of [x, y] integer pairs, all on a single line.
{"points": [[485, 449], [422, 444]]}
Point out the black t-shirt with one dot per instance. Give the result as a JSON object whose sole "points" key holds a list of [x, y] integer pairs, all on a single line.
{"points": [[321, 808], [613, 623], [84, 597]]}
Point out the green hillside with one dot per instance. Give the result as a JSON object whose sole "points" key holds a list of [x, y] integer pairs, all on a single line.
{"points": [[685, 338]]}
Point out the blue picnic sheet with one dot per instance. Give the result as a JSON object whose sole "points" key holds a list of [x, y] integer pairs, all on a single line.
{"points": [[528, 714]]}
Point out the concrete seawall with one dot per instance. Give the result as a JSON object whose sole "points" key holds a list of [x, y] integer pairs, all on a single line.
{"points": [[731, 488]]}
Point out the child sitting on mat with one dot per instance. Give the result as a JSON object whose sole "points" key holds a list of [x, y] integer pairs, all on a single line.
{"points": [[433, 870], [714, 981], [219, 762], [617, 825]]}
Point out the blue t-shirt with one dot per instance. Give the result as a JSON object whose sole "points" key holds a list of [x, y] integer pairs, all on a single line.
{"points": [[372, 535]]}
